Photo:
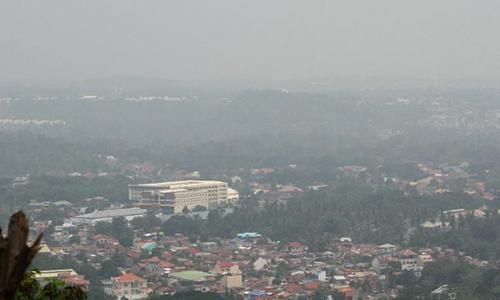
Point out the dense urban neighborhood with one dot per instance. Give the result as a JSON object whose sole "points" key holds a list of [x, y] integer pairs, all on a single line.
{"points": [[330, 206], [249, 150], [144, 245]]}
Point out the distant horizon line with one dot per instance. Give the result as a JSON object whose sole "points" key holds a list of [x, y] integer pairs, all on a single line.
{"points": [[338, 81]]}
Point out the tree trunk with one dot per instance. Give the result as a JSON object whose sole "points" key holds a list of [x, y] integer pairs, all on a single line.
{"points": [[15, 255]]}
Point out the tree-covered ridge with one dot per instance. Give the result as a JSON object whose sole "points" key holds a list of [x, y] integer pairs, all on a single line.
{"points": [[25, 152], [254, 129]]}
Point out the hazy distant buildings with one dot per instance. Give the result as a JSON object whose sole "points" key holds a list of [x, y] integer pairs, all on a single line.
{"points": [[175, 196]]}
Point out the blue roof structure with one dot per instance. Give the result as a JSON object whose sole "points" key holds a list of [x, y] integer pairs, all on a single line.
{"points": [[149, 246], [257, 293], [248, 235]]}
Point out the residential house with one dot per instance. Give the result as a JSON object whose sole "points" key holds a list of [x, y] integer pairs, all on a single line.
{"points": [[424, 259], [386, 249], [296, 248], [68, 276], [224, 267], [345, 244], [128, 285], [408, 259], [232, 281], [259, 264], [104, 241]]}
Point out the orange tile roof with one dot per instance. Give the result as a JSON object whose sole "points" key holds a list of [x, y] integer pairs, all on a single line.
{"points": [[225, 264], [312, 285], [408, 253], [348, 292], [295, 244], [293, 288], [128, 277]]}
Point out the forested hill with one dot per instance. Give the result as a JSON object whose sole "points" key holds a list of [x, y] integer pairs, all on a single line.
{"points": [[188, 120], [27, 153], [254, 129]]}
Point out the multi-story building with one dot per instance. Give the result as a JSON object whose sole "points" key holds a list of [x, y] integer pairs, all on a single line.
{"points": [[68, 276], [175, 196], [408, 259], [128, 286]]}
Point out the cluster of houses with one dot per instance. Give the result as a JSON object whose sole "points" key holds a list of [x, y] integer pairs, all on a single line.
{"points": [[432, 179], [249, 265]]}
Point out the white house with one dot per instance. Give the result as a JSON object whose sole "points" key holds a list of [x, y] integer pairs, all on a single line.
{"points": [[259, 264]]}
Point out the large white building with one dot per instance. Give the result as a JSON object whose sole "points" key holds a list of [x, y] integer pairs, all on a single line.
{"points": [[174, 196], [108, 215]]}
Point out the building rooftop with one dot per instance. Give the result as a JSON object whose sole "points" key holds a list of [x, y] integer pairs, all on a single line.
{"points": [[191, 275], [54, 273], [246, 235], [173, 190], [128, 277], [44, 249], [111, 213], [177, 184]]}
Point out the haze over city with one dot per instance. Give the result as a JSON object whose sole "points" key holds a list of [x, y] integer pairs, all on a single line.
{"points": [[250, 40], [250, 150]]}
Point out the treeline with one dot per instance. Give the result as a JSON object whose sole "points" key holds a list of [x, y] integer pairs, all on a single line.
{"points": [[24, 152], [476, 237], [72, 189], [367, 215], [254, 129], [464, 280]]}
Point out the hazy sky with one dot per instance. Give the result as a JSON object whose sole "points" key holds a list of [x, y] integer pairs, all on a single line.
{"points": [[253, 39]]}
